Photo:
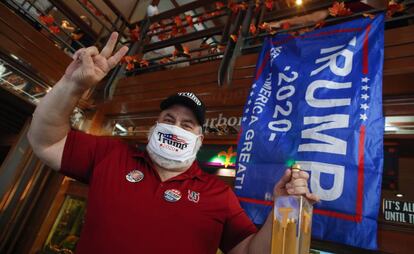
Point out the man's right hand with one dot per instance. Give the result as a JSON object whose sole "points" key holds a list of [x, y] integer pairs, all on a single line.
{"points": [[89, 66], [50, 124]]}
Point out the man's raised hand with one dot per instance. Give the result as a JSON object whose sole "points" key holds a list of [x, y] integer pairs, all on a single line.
{"points": [[89, 66]]}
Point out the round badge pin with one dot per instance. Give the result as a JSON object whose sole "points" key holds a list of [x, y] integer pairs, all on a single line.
{"points": [[172, 195], [135, 176]]}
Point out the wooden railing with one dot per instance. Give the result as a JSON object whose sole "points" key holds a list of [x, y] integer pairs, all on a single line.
{"points": [[248, 43], [42, 19]]}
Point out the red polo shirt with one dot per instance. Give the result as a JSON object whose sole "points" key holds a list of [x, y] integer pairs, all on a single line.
{"points": [[128, 217]]}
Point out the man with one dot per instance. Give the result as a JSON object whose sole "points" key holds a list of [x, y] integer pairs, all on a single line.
{"points": [[158, 201]]}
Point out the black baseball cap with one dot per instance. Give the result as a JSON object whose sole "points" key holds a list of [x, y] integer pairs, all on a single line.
{"points": [[190, 100]]}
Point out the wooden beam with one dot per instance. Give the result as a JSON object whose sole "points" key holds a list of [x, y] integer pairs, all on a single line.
{"points": [[176, 5], [188, 37], [176, 11], [116, 10]]}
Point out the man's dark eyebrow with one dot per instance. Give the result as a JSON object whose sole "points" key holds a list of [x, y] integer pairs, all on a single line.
{"points": [[189, 121], [169, 115]]}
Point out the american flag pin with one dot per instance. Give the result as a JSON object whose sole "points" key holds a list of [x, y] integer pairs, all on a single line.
{"points": [[172, 195], [135, 176]]}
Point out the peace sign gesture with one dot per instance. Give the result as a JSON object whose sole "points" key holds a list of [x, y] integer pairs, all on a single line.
{"points": [[89, 66]]}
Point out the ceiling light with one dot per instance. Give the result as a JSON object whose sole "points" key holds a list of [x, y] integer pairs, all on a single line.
{"points": [[14, 56], [399, 195], [299, 2], [120, 127]]}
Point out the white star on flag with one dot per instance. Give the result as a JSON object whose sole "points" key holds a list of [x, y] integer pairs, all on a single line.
{"points": [[364, 106], [251, 93], [365, 88], [247, 110], [254, 85], [363, 117], [244, 119], [365, 80], [364, 96], [250, 101]]}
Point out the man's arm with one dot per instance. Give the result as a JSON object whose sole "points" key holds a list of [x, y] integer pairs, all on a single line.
{"points": [[50, 123], [289, 184]]}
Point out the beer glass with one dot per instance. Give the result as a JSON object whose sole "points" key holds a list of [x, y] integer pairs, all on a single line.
{"points": [[292, 222]]}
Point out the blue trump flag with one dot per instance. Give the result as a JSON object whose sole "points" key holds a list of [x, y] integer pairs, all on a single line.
{"points": [[317, 101]]}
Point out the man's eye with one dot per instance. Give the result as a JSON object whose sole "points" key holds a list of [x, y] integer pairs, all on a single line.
{"points": [[168, 121], [188, 127]]}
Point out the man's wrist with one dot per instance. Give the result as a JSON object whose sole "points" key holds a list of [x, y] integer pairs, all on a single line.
{"points": [[72, 87]]}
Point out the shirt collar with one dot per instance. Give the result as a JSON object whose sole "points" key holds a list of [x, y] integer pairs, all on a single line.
{"points": [[193, 172]]}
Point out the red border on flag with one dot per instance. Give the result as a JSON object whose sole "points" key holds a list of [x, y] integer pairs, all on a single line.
{"points": [[365, 50]]}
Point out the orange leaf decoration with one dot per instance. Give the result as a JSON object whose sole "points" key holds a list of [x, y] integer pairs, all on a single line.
{"points": [[233, 7], [54, 29], [219, 5], [394, 7], [186, 50], [165, 60], [175, 53], [252, 29], [269, 4], [339, 9], [221, 47], [320, 24], [177, 21], [154, 26], [143, 63], [174, 31], [257, 6], [134, 33], [130, 66], [189, 20], [163, 36], [182, 30], [97, 13], [233, 37], [200, 19], [47, 19], [125, 59], [285, 25], [243, 6], [264, 26], [368, 15], [214, 13]]}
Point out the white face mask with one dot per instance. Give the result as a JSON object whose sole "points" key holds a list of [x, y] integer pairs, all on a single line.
{"points": [[173, 143]]}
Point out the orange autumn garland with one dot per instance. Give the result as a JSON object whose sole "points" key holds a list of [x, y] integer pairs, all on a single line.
{"points": [[48, 20]]}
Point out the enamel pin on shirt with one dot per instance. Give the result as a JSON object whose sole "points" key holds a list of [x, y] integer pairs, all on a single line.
{"points": [[172, 195], [193, 196], [135, 176]]}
